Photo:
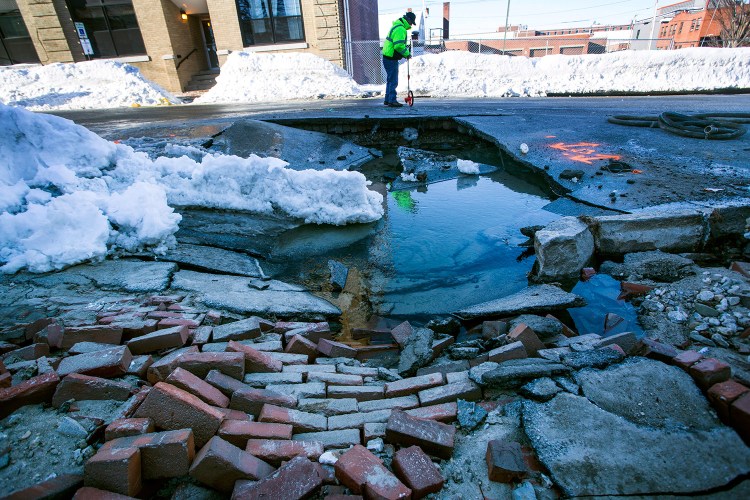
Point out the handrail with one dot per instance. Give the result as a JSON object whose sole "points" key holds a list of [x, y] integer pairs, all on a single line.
{"points": [[185, 58]]}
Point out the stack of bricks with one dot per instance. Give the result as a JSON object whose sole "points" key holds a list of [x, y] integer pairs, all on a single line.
{"points": [[249, 406]]}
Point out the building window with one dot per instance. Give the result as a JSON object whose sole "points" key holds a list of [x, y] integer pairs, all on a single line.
{"points": [[110, 26], [268, 22], [16, 46]]}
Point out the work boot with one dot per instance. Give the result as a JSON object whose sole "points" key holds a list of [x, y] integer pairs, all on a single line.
{"points": [[395, 104]]}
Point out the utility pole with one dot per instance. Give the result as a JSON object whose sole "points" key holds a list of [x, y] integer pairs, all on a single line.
{"points": [[653, 28], [505, 33]]}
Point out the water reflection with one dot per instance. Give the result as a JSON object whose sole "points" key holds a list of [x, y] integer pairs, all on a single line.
{"points": [[601, 293]]}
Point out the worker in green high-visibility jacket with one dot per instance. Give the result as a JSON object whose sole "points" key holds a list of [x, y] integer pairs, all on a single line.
{"points": [[395, 48]]}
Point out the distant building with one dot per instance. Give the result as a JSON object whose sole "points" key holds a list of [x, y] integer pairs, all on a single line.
{"points": [[170, 41], [690, 23]]}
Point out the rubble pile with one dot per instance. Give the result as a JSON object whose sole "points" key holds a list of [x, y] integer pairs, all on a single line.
{"points": [[160, 396]]}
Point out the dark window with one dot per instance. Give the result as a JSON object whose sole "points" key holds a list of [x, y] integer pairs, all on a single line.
{"points": [[16, 46], [267, 22], [111, 26]]}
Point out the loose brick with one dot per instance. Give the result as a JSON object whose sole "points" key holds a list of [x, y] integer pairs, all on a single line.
{"points": [[219, 464], [95, 333], [710, 371], [416, 470], [372, 431], [166, 338], [200, 363], [505, 462], [36, 390], [126, 427], [413, 385], [334, 378], [255, 361], [300, 345], [300, 391], [62, 486], [455, 377], [249, 328], [299, 420], [89, 493], [117, 470], [366, 352], [252, 400], [328, 407], [230, 414], [160, 370], [686, 359], [289, 359], [402, 403], [86, 388], [108, 364], [307, 369], [341, 438], [172, 408], [362, 371], [52, 333], [357, 420], [238, 432], [226, 384], [134, 327], [522, 333], [297, 479], [373, 335], [336, 349], [483, 358], [454, 366], [493, 329], [275, 451], [468, 391], [444, 412], [287, 326], [6, 380], [402, 332], [723, 394], [202, 335], [28, 353], [514, 350], [658, 350], [433, 437], [264, 379], [358, 469], [139, 365], [739, 416], [163, 454], [188, 382], [176, 322], [626, 340], [360, 393]]}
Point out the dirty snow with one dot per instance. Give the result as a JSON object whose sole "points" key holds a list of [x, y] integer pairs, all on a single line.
{"points": [[84, 85], [468, 167], [68, 196]]}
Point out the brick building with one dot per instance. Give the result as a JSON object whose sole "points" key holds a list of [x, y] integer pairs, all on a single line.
{"points": [[170, 41]]}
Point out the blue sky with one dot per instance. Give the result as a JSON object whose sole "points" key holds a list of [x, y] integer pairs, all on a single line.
{"points": [[479, 16]]}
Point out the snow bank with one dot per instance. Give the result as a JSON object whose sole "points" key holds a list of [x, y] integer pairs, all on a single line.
{"points": [[251, 77], [85, 85], [68, 196], [462, 74]]}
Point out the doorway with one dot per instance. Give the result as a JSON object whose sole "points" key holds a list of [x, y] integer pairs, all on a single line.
{"points": [[209, 44]]}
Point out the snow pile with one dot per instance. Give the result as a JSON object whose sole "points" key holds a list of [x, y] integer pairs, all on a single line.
{"points": [[85, 85], [463, 74], [251, 77], [69, 196]]}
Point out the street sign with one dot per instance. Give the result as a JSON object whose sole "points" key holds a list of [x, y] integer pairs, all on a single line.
{"points": [[81, 29], [87, 48]]}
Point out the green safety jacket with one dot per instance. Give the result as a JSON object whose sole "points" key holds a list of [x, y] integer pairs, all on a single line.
{"points": [[395, 43]]}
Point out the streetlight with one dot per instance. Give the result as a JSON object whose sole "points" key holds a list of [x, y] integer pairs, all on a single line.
{"points": [[505, 33]]}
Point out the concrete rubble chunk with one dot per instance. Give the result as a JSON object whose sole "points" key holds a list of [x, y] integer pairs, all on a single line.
{"points": [[505, 461], [595, 358], [562, 249], [534, 299], [516, 372], [417, 351], [670, 231]]}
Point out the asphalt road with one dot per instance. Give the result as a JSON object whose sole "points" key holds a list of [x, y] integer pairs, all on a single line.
{"points": [[562, 134]]}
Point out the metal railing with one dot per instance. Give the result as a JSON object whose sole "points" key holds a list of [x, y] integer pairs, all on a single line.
{"points": [[365, 60]]}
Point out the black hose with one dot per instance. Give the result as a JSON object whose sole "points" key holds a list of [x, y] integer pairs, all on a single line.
{"points": [[715, 126]]}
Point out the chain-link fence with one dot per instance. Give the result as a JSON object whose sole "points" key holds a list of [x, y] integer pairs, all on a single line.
{"points": [[367, 69]]}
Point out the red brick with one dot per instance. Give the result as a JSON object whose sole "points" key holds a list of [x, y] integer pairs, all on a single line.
{"points": [[335, 378], [710, 371], [238, 432], [453, 366], [126, 427], [365, 352], [95, 333], [739, 416], [514, 350], [186, 381], [176, 322], [723, 394], [467, 390], [226, 384], [89, 493], [275, 451], [297, 479], [301, 421], [373, 335], [134, 327], [59, 487], [358, 468], [108, 364], [415, 469], [360, 393], [219, 464], [300, 345], [202, 335], [164, 314], [338, 496], [158, 300], [287, 326], [117, 470], [244, 329], [28, 353], [565, 329], [230, 414], [439, 345], [139, 365], [6, 380], [167, 338], [505, 462], [402, 332], [172, 408], [629, 290], [482, 358], [528, 337], [444, 412], [686, 359], [200, 363], [658, 350], [130, 406], [86, 388], [36, 390], [336, 349], [413, 385], [160, 370], [213, 318], [627, 341], [51, 332], [255, 361], [163, 454], [741, 267], [252, 400], [433, 437]]}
